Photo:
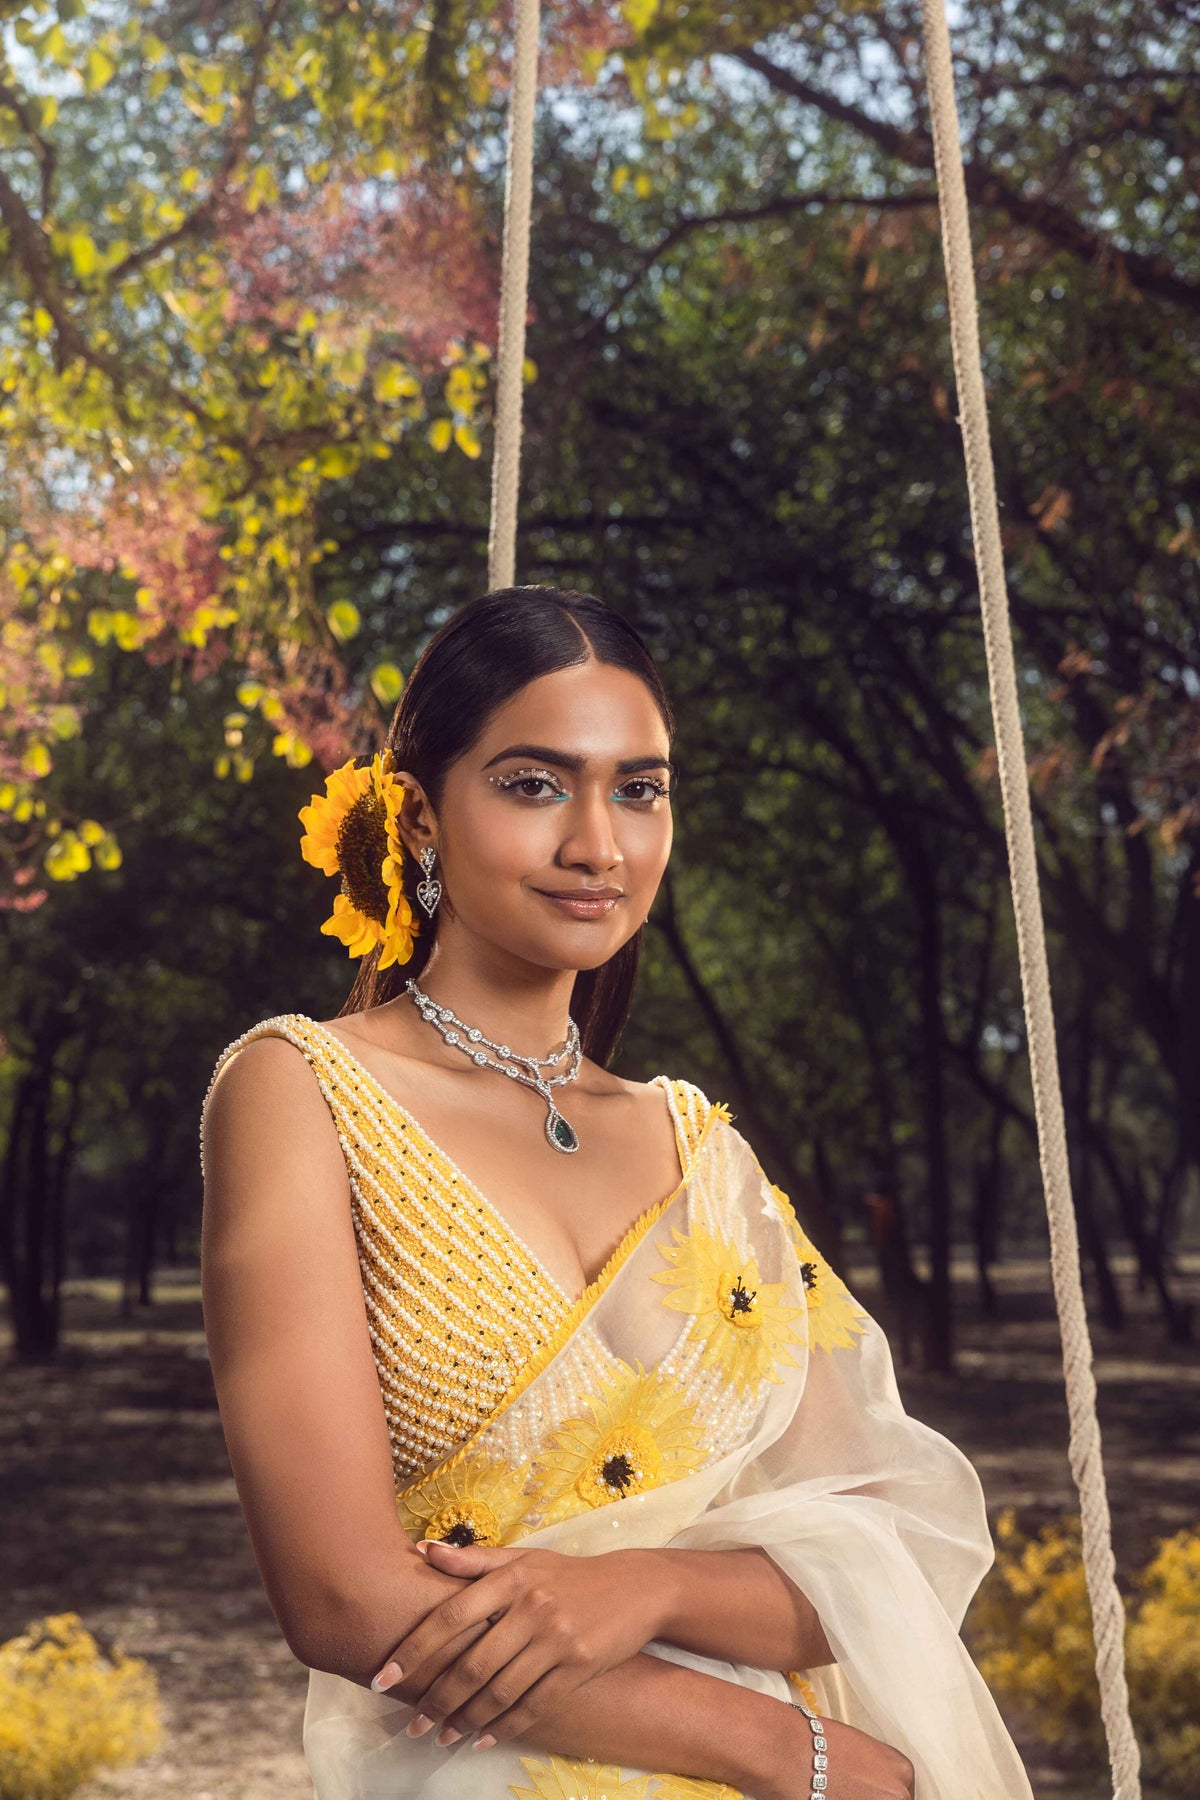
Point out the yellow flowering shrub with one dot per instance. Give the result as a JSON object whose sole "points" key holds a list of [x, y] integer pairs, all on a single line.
{"points": [[68, 1710], [1030, 1629]]}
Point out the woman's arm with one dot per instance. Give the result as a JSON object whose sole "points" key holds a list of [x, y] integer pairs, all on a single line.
{"points": [[736, 1604], [307, 1439]]}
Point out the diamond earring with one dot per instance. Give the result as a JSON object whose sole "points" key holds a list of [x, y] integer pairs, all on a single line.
{"points": [[429, 891]]}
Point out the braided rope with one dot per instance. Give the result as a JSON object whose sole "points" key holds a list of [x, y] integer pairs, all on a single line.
{"points": [[1108, 1614], [514, 298]]}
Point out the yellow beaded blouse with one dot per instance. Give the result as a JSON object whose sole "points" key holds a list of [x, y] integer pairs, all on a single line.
{"points": [[461, 1313]]}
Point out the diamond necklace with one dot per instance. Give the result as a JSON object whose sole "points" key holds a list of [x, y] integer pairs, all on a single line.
{"points": [[560, 1133]]}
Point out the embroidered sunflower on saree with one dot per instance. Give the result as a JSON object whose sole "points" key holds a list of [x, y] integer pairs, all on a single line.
{"points": [[639, 1432], [746, 1325], [476, 1501], [835, 1318], [565, 1778]]}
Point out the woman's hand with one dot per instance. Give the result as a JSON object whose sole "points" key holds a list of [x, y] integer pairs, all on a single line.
{"points": [[551, 1622], [860, 1767]]}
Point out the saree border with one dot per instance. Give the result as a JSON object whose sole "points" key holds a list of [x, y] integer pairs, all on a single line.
{"points": [[544, 1355]]}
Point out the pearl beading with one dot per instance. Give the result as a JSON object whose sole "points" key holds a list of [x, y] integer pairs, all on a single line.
{"points": [[456, 1304]]}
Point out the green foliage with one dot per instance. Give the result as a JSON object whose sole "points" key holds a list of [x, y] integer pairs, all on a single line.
{"points": [[240, 260]]}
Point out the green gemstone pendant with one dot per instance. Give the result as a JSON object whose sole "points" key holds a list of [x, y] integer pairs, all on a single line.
{"points": [[559, 1133]]}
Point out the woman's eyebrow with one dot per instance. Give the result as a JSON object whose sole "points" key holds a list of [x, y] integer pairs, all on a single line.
{"points": [[566, 759]]}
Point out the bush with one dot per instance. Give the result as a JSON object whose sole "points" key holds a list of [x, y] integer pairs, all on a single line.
{"points": [[68, 1710], [1031, 1631]]}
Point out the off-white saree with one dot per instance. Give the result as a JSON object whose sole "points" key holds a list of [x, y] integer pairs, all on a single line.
{"points": [[724, 1389]]}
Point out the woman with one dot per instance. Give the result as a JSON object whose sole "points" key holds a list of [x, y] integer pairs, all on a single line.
{"points": [[570, 1466]]}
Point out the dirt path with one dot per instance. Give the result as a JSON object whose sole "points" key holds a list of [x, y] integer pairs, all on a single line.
{"points": [[121, 1508]]}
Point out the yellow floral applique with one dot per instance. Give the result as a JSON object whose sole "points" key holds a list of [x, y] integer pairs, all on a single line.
{"points": [[641, 1433], [834, 1316], [476, 1502], [562, 1778], [807, 1692], [747, 1327]]}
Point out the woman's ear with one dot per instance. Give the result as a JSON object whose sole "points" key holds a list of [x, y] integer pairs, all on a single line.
{"points": [[418, 823]]}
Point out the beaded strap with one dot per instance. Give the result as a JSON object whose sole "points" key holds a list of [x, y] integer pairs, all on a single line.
{"points": [[820, 1778]]}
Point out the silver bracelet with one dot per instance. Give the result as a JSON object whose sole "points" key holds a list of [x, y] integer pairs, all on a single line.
{"points": [[820, 1780]]}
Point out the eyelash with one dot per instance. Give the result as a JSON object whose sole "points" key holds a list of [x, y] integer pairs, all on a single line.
{"points": [[660, 789]]}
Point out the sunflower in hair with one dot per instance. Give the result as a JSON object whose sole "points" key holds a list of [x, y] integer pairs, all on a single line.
{"points": [[353, 830]]}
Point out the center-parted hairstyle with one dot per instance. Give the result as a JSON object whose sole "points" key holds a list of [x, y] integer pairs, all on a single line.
{"points": [[479, 659]]}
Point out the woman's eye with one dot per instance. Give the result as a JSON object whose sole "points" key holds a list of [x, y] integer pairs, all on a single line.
{"points": [[651, 789], [526, 785]]}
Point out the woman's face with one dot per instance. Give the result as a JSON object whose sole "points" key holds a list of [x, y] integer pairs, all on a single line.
{"points": [[565, 794]]}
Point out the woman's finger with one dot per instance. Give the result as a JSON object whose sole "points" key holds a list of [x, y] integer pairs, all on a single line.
{"points": [[472, 1672], [470, 1605], [541, 1695]]}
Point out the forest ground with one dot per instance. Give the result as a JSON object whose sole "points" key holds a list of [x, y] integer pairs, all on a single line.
{"points": [[122, 1507]]}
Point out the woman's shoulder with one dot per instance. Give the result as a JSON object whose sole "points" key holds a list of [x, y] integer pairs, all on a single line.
{"points": [[260, 1086], [692, 1106], [264, 1056], [263, 1046]]}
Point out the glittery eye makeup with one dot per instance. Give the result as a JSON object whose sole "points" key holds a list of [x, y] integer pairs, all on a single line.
{"points": [[507, 783], [657, 788]]}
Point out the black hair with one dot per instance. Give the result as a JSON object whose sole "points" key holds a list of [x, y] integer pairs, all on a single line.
{"points": [[479, 659]]}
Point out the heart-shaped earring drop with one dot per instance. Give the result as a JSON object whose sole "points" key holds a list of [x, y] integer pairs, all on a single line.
{"points": [[429, 891]]}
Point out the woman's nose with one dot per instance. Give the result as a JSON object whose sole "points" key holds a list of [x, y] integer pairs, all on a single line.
{"points": [[592, 837]]}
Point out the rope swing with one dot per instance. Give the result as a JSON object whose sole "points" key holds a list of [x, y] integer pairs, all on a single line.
{"points": [[514, 298], [1108, 1615]]}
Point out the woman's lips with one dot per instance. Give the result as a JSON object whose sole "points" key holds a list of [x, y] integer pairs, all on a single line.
{"points": [[580, 908]]}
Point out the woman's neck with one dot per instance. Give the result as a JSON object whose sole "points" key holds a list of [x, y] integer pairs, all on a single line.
{"points": [[531, 1016]]}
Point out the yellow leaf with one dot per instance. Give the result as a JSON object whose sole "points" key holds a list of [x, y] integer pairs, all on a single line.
{"points": [[97, 69], [467, 439], [441, 434], [83, 252], [344, 620], [392, 381], [108, 852], [36, 760], [387, 682]]}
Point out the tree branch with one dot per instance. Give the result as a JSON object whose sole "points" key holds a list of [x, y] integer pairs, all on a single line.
{"points": [[1152, 274], [745, 215], [235, 149]]}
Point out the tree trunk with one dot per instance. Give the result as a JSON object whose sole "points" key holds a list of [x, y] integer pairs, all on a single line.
{"points": [[754, 1095]]}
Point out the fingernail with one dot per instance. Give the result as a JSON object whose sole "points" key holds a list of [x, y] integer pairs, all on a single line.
{"points": [[448, 1735], [387, 1677], [483, 1743], [418, 1725], [423, 1547]]}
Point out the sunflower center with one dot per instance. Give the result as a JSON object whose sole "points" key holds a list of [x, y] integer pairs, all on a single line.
{"points": [[737, 1302], [809, 1271], [624, 1463], [619, 1472], [361, 847], [463, 1523]]}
